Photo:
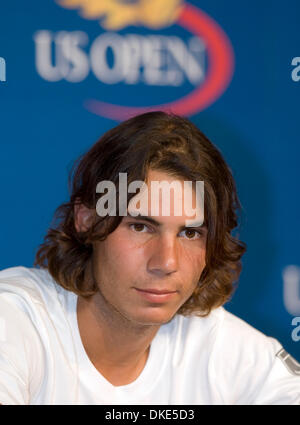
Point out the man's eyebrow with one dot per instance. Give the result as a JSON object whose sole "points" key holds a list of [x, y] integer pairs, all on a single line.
{"points": [[145, 218], [157, 223]]}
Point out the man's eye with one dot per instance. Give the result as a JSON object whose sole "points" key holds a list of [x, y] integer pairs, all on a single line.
{"points": [[139, 227], [191, 234]]}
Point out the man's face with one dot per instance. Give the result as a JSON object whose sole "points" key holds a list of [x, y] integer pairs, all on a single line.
{"points": [[149, 266]]}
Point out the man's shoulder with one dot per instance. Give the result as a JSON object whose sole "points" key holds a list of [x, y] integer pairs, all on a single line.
{"points": [[241, 348], [243, 364], [29, 285], [233, 347], [238, 333], [227, 332]]}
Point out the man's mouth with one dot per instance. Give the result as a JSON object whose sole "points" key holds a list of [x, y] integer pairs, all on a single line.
{"points": [[156, 295]]}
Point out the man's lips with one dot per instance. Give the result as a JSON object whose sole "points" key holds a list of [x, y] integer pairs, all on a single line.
{"points": [[156, 295], [156, 291]]}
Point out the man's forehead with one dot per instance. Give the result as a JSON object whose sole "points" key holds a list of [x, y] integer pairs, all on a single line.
{"points": [[162, 175], [163, 195]]}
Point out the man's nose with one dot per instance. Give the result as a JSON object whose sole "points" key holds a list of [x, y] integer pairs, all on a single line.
{"points": [[164, 256]]}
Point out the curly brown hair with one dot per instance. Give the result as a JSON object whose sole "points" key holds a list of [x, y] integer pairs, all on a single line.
{"points": [[160, 141]]}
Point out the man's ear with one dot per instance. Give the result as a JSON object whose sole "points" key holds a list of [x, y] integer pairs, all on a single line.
{"points": [[83, 217]]}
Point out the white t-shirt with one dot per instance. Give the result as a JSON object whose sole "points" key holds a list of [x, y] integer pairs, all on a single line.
{"points": [[219, 359]]}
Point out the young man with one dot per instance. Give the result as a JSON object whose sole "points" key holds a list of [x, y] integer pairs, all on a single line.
{"points": [[126, 307]]}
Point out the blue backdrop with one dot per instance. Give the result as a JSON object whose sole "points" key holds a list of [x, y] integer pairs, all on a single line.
{"points": [[71, 73]]}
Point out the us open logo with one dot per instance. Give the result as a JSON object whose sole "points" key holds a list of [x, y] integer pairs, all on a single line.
{"points": [[142, 46]]}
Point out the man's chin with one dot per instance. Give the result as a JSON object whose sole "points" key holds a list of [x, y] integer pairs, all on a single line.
{"points": [[154, 319]]}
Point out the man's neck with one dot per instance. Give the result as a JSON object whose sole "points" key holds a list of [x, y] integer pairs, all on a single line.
{"points": [[117, 347]]}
